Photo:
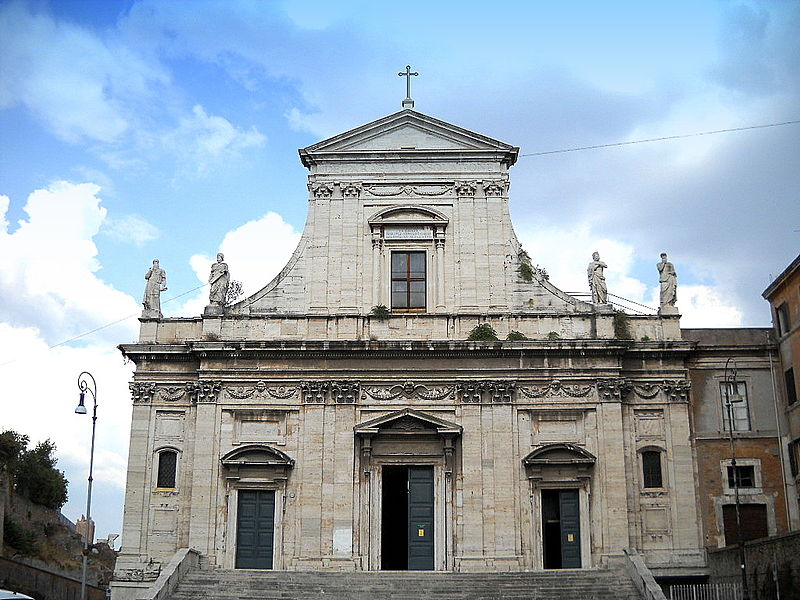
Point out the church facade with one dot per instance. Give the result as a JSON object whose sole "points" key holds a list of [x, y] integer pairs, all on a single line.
{"points": [[341, 419]]}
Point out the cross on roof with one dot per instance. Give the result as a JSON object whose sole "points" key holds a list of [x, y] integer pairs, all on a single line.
{"points": [[408, 102]]}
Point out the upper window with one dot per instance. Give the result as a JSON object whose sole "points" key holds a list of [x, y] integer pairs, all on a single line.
{"points": [[782, 313], [408, 281], [167, 467], [745, 476], [791, 390], [651, 469], [740, 410]]}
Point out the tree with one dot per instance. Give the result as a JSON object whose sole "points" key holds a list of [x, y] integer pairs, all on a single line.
{"points": [[33, 472]]}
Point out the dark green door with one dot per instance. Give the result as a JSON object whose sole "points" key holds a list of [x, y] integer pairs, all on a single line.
{"points": [[570, 515], [420, 518], [255, 529]]}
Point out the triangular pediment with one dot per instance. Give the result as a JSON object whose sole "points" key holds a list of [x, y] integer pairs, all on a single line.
{"points": [[408, 131], [408, 420]]}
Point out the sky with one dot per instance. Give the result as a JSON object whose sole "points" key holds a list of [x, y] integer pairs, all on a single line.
{"points": [[133, 130]]}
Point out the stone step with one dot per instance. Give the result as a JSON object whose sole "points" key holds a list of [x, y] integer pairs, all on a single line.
{"points": [[219, 584]]}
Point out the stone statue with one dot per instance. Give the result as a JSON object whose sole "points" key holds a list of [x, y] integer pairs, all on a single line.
{"points": [[156, 278], [668, 279], [597, 281], [220, 280]]}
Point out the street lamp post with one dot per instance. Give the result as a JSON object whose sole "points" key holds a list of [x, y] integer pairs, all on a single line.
{"points": [[732, 397], [86, 383]]}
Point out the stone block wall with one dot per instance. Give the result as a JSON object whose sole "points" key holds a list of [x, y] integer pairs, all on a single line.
{"points": [[773, 567]]}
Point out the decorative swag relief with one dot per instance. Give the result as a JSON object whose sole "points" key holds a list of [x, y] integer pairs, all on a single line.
{"points": [[468, 392]]}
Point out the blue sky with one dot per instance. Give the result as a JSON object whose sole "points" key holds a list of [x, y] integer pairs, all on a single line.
{"points": [[134, 130]]}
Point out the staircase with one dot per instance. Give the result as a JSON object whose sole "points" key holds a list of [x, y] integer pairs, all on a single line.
{"points": [[405, 585]]}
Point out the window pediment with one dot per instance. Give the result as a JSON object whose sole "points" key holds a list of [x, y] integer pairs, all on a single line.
{"points": [[408, 214]]}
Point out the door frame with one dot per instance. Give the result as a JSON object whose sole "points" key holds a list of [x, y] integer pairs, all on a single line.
{"points": [[536, 520], [372, 525], [231, 529]]}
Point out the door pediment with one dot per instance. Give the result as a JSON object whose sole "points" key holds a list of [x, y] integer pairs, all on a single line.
{"points": [[256, 462], [411, 421], [559, 462]]}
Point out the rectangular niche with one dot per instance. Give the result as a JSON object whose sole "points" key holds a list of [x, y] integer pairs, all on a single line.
{"points": [[557, 426], [263, 426], [169, 425], [649, 424]]}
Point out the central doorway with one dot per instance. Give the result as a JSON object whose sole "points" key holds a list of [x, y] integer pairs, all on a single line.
{"points": [[407, 518], [561, 529]]}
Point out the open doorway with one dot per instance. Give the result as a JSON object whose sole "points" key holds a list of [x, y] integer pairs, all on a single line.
{"points": [[407, 518], [561, 529]]}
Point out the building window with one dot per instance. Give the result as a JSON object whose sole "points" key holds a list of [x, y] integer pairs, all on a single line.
{"points": [[791, 390], [746, 476], [794, 456], [408, 281], [651, 469], [167, 467], [782, 312], [739, 410]]}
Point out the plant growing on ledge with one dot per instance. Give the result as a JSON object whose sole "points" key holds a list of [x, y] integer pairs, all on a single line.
{"points": [[483, 333], [553, 335], [516, 336], [380, 312], [526, 269], [622, 326]]}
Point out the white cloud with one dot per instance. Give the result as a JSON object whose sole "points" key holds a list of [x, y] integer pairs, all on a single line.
{"points": [[202, 139], [564, 253], [130, 228], [47, 277], [69, 77], [255, 253], [51, 292]]}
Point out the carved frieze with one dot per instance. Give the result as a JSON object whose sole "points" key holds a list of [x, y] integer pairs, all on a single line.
{"points": [[465, 189], [612, 389], [262, 389], [206, 391], [677, 390], [142, 391], [556, 389], [321, 190], [314, 392], [351, 190], [471, 391], [383, 191], [409, 389], [345, 392], [175, 393], [501, 391], [493, 188]]}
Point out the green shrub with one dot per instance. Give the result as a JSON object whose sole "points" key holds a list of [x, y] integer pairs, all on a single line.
{"points": [[516, 336], [380, 312], [19, 538], [483, 333], [553, 335], [622, 326], [525, 271]]}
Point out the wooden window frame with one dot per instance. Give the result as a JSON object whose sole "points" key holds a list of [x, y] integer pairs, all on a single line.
{"points": [[408, 280]]}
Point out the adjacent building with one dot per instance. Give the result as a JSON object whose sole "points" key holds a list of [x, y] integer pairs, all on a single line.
{"points": [[783, 294]]}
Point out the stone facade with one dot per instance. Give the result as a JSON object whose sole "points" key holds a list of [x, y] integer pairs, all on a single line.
{"points": [[305, 391]]}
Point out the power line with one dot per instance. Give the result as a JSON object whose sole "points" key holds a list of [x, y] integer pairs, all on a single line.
{"points": [[661, 139], [107, 325]]}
